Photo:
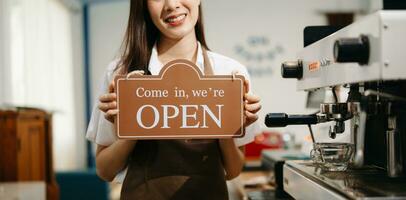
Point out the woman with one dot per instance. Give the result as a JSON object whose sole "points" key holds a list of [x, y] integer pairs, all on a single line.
{"points": [[160, 31]]}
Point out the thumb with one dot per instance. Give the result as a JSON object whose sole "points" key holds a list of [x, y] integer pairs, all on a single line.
{"points": [[112, 86], [135, 73], [246, 83]]}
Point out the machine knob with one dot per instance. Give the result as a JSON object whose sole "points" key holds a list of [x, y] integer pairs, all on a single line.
{"points": [[292, 69], [352, 50]]}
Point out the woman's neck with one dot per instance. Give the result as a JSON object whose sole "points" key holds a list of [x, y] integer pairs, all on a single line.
{"points": [[170, 49]]}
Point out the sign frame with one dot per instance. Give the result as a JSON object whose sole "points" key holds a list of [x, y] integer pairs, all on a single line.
{"points": [[161, 76]]}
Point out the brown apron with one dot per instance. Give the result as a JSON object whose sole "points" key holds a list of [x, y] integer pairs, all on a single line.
{"points": [[176, 169]]}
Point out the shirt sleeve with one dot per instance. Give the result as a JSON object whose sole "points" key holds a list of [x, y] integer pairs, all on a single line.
{"points": [[100, 130], [255, 128]]}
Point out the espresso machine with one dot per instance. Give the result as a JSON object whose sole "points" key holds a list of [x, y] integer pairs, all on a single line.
{"points": [[368, 59]]}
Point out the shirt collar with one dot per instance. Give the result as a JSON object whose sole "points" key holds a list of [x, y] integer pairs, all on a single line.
{"points": [[155, 65], [200, 59]]}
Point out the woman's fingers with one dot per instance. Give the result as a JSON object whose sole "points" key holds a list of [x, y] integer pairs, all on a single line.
{"points": [[109, 97], [108, 103], [251, 98], [253, 108], [135, 73], [107, 106], [235, 72], [250, 118], [110, 114]]}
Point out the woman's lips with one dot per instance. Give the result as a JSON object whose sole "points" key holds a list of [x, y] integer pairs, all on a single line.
{"points": [[175, 20]]}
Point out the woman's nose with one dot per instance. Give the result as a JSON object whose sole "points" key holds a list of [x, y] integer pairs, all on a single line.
{"points": [[171, 5]]}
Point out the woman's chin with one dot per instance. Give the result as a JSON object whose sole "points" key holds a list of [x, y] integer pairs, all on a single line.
{"points": [[178, 34]]}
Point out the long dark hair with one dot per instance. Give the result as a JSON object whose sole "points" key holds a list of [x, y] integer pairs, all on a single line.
{"points": [[141, 35]]}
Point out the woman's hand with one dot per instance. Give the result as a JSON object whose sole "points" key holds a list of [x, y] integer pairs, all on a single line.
{"points": [[251, 107], [108, 101], [251, 104]]}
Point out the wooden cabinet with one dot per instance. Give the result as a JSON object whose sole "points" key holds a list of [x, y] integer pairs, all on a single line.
{"points": [[26, 147]]}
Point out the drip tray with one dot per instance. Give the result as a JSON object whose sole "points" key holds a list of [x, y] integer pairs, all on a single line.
{"points": [[302, 178]]}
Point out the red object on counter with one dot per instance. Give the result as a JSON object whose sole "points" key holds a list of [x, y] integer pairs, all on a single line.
{"points": [[266, 140]]}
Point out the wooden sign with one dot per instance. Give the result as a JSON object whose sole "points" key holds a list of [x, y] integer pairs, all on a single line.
{"points": [[179, 103]]}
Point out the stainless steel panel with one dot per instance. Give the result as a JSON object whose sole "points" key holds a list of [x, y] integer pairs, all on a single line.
{"points": [[303, 180], [301, 187], [385, 31]]}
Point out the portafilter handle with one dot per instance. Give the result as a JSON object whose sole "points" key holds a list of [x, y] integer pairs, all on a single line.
{"points": [[283, 119]]}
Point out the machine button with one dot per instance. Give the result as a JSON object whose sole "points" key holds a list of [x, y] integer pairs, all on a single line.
{"points": [[352, 50], [292, 69]]}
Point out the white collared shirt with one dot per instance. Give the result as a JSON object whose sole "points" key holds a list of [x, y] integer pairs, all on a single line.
{"points": [[101, 131]]}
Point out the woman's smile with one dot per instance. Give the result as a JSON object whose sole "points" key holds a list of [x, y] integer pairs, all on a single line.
{"points": [[175, 20]]}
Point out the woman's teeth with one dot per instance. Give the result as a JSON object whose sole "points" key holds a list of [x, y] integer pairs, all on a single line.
{"points": [[176, 19]]}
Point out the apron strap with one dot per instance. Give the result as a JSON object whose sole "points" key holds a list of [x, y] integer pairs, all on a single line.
{"points": [[208, 69], [200, 175]]}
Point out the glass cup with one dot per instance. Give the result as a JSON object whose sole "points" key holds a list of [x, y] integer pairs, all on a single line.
{"points": [[332, 156]]}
